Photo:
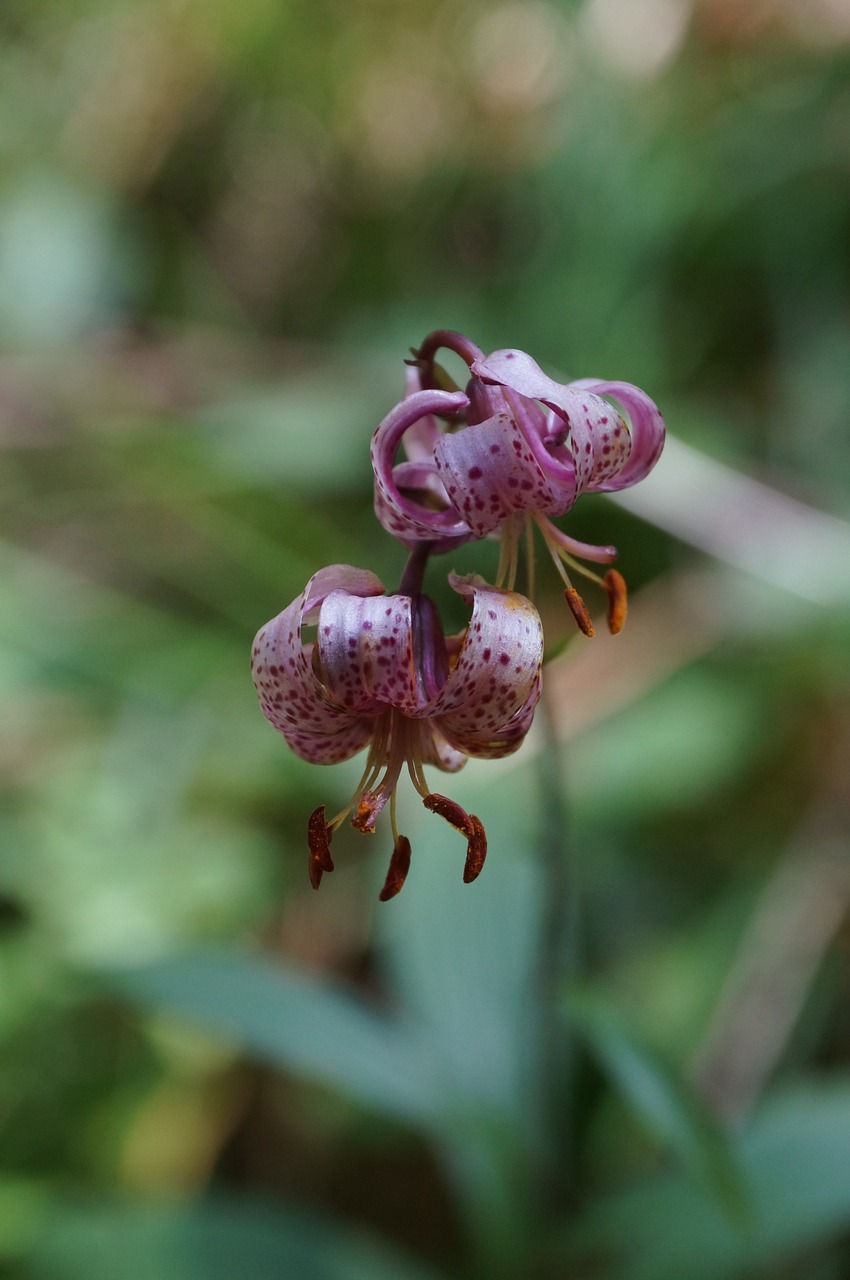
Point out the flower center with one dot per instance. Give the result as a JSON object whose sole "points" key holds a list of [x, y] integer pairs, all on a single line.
{"points": [[398, 740]]}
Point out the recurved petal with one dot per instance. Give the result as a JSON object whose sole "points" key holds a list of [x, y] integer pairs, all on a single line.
{"points": [[338, 577], [496, 673], [401, 515], [646, 427], [494, 468], [505, 741], [599, 439], [366, 657], [422, 476], [291, 697], [437, 751]]}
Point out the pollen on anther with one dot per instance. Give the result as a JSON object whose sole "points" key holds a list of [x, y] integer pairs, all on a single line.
{"points": [[319, 840], [579, 611], [398, 869], [476, 849], [618, 604]]}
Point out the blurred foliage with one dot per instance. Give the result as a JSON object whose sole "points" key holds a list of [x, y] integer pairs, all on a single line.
{"points": [[221, 228]]}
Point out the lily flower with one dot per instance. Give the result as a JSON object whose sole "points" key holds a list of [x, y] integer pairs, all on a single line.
{"points": [[381, 674], [517, 448]]}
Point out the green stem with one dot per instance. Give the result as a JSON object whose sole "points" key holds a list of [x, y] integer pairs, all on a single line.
{"points": [[559, 960]]}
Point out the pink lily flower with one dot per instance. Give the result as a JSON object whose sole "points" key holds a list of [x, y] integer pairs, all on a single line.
{"points": [[526, 448], [381, 674]]}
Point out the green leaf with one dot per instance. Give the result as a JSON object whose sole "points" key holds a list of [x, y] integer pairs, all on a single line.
{"points": [[660, 1097], [795, 1158], [464, 959], [217, 1239], [293, 1022]]}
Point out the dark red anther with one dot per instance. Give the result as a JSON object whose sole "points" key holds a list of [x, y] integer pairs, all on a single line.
{"points": [[476, 850], [399, 867], [319, 841], [579, 611], [468, 825], [618, 604], [448, 809]]}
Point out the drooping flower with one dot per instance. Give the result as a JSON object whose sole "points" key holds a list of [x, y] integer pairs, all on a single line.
{"points": [[381, 674], [513, 450]]}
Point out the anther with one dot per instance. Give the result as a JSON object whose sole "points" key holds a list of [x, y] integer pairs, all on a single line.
{"points": [[579, 610], [476, 850], [468, 825], [448, 809], [618, 604], [399, 867], [319, 842]]}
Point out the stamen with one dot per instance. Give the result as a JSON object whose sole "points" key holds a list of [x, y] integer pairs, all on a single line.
{"points": [[468, 825], [375, 762], [415, 748], [514, 550], [399, 867], [579, 611], [390, 751], [618, 605], [476, 850], [504, 552], [369, 809], [393, 822], [613, 582], [555, 537], [319, 836], [417, 775], [448, 809], [529, 558]]}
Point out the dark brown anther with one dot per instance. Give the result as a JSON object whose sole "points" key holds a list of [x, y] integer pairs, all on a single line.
{"points": [[618, 604], [468, 825], [579, 611], [476, 850], [450, 810], [319, 841], [399, 867]]}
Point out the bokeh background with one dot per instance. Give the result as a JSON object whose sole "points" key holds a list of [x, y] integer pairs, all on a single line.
{"points": [[624, 1051]]}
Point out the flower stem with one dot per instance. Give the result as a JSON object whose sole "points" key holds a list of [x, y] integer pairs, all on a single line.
{"points": [[559, 959], [414, 571], [452, 341]]}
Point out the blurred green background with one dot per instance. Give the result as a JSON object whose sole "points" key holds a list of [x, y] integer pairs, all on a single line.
{"points": [[221, 228]]}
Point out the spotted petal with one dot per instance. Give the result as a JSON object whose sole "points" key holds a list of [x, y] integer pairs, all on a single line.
{"points": [[485, 706], [599, 439], [494, 468], [366, 654], [401, 515], [437, 751], [292, 698], [646, 427]]}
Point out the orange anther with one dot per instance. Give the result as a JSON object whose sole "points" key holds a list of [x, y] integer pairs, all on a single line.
{"points": [[579, 611]]}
